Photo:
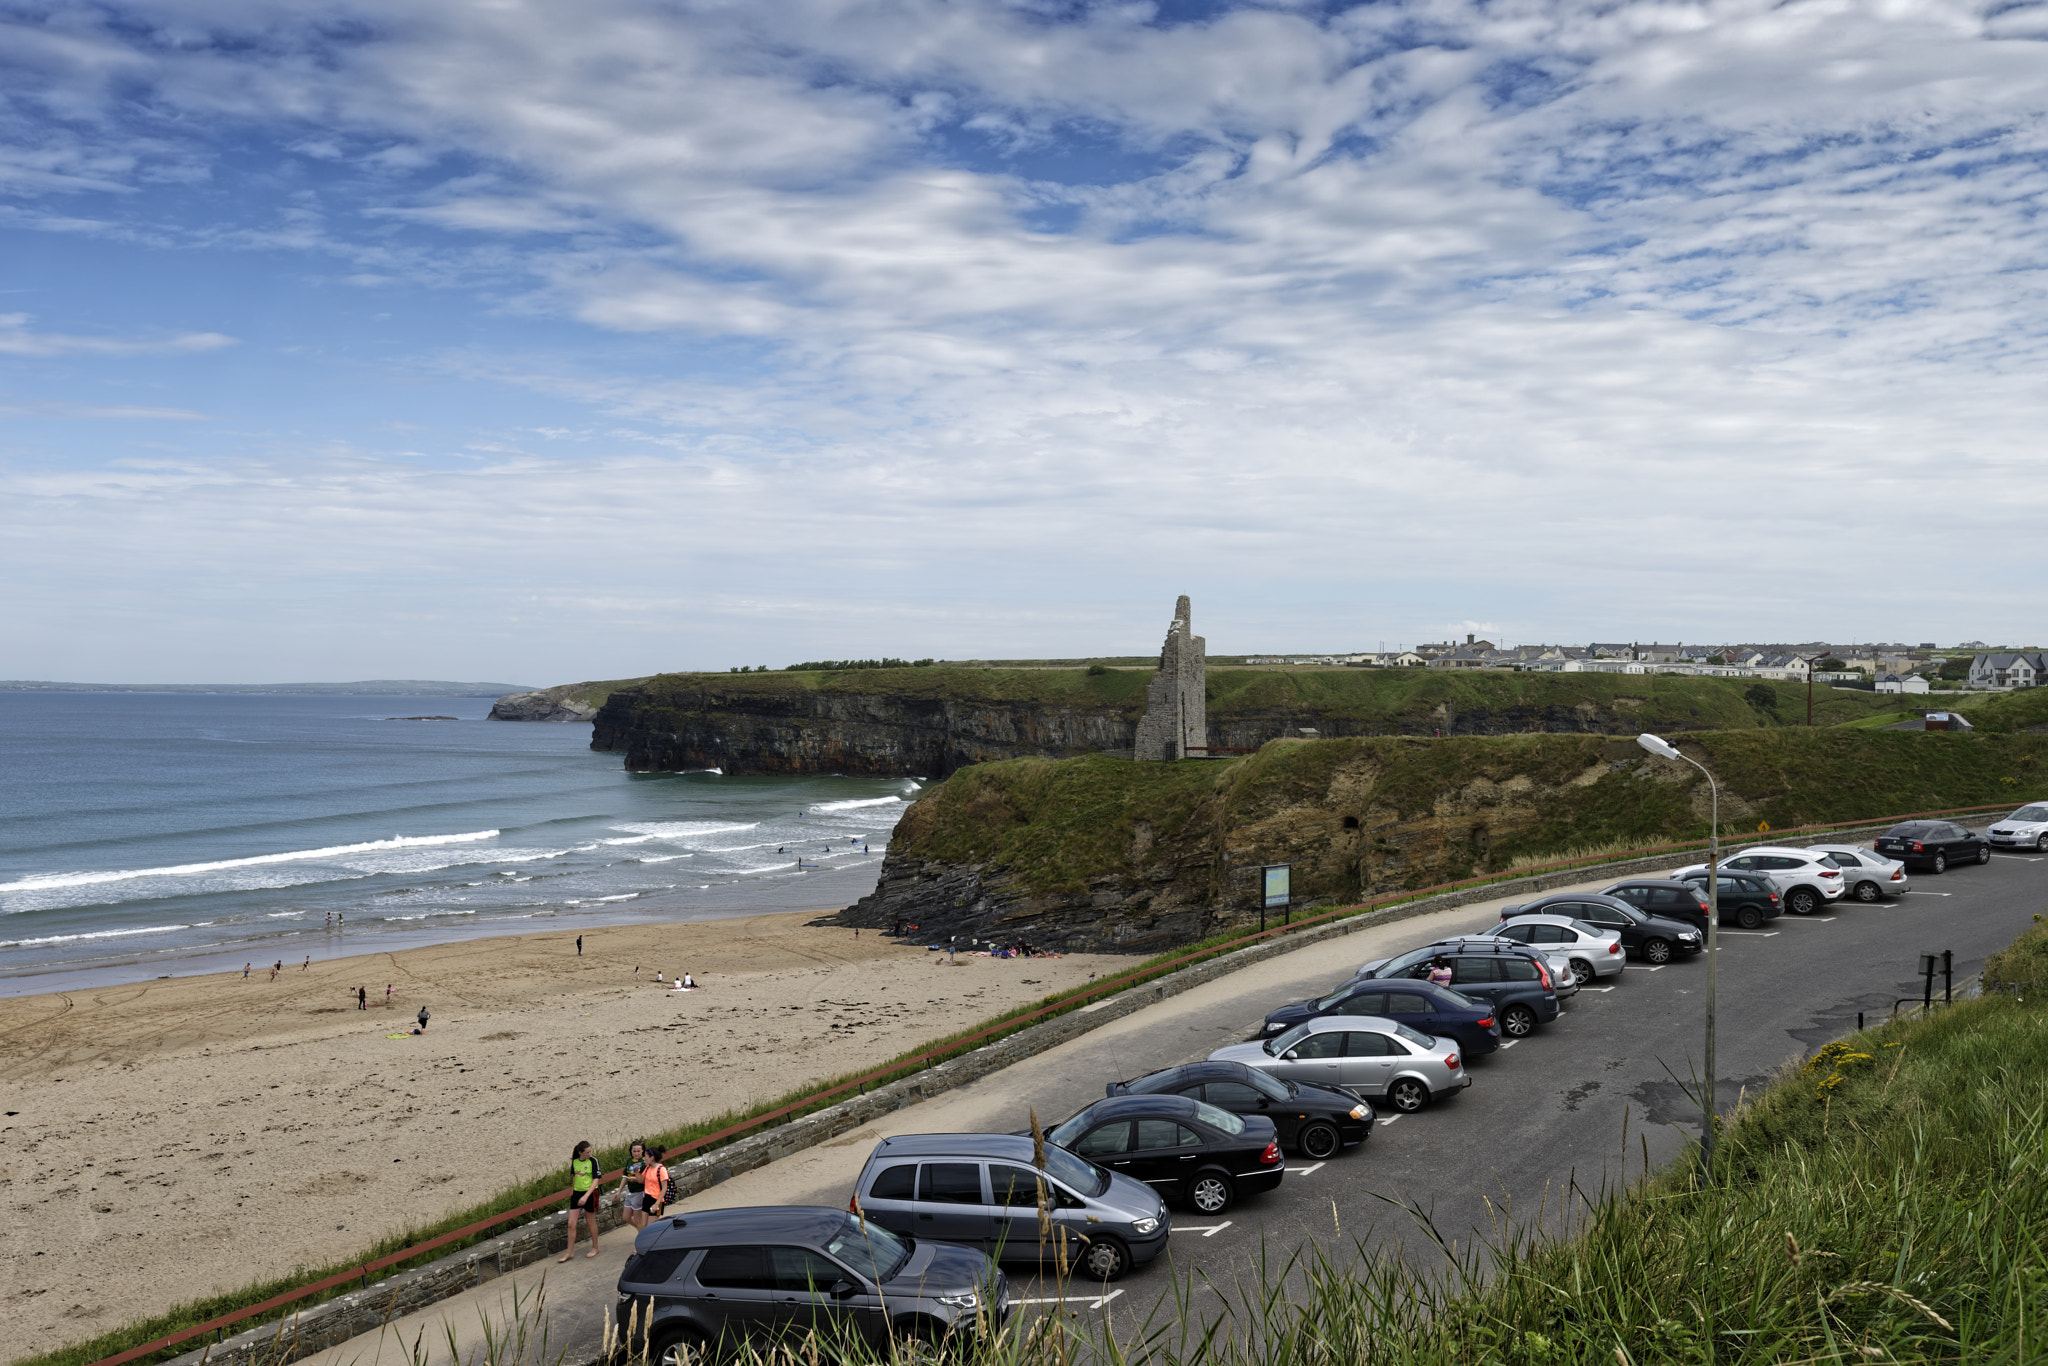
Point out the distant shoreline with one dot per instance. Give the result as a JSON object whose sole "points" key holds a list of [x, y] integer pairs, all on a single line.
{"points": [[385, 687]]}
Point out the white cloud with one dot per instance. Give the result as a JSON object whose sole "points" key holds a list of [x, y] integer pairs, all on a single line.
{"points": [[17, 340]]}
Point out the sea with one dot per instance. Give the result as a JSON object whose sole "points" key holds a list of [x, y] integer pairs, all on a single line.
{"points": [[147, 835]]}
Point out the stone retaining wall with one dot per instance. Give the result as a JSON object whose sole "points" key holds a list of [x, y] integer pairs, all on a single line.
{"points": [[364, 1310]]}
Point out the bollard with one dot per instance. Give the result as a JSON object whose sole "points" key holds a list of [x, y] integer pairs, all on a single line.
{"points": [[1859, 1022], [1948, 980]]}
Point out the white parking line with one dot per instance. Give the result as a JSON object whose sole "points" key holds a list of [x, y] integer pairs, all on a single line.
{"points": [[1749, 934], [1304, 1171], [1207, 1230], [1920, 893], [1093, 1303], [1504, 1043], [1593, 989], [1824, 919], [1638, 967], [1388, 1120]]}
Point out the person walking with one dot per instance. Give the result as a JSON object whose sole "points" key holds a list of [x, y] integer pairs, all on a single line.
{"points": [[579, 946], [307, 964], [654, 1182], [362, 998], [632, 1194], [245, 972], [584, 1191], [387, 995], [423, 1019]]}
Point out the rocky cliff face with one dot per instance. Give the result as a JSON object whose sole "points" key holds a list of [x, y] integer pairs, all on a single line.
{"points": [[567, 702]]}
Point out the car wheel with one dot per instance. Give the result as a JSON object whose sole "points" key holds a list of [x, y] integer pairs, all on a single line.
{"points": [[1517, 1022], [1802, 901], [1749, 917], [922, 1340], [678, 1347], [1211, 1193], [1318, 1140], [1105, 1260], [1409, 1095], [1867, 891], [1983, 853], [2041, 844], [1582, 972], [1940, 862], [1657, 950]]}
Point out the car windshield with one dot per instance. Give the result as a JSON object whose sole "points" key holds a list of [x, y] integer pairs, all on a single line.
{"points": [[1335, 998], [871, 1250], [2035, 813], [1218, 1119], [1456, 998], [1911, 829], [1069, 1132], [1270, 1086], [1393, 966], [1280, 1043], [1077, 1172], [1415, 1036]]}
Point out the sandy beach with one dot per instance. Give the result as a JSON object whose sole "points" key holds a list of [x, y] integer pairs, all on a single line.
{"points": [[190, 1135]]}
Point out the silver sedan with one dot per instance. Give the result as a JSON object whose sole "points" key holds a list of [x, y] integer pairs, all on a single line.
{"points": [[1589, 951], [1368, 1055], [1866, 876]]}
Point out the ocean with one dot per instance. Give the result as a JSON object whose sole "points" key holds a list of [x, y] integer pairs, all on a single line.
{"points": [[155, 834]]}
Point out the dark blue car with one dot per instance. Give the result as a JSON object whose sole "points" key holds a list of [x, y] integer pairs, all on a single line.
{"points": [[1432, 1009]]}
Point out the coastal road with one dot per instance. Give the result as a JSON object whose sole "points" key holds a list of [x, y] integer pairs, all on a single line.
{"points": [[1540, 1116]]}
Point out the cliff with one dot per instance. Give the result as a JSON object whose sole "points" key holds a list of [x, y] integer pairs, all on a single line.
{"points": [[567, 702], [930, 722], [1100, 854]]}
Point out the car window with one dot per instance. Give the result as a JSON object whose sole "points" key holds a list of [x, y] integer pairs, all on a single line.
{"points": [[1219, 1119], [894, 1183], [1518, 934], [656, 1267], [1367, 1003], [1474, 970], [1844, 859], [950, 1183], [1554, 934], [1585, 930], [871, 1250], [1015, 1186], [1106, 1141], [802, 1270], [1367, 1044], [1454, 998], [737, 1268], [1157, 1133], [1394, 967], [1189, 1138], [1232, 1095], [1326, 1045], [1403, 1003], [1609, 916], [1517, 970], [1632, 894], [1672, 896], [2030, 813]]}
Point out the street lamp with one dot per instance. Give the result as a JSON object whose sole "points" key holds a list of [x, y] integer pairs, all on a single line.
{"points": [[1663, 749]]}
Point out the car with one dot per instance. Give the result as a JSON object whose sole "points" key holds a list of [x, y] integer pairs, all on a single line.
{"points": [[1518, 983], [1367, 1057], [1557, 965], [982, 1190], [1592, 953], [1866, 875], [1747, 899], [2026, 828], [1932, 845], [1651, 938], [1806, 882], [714, 1280], [1185, 1149], [1316, 1121], [1442, 1011], [1670, 898]]}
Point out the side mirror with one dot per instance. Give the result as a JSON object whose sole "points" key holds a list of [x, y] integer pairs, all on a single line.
{"points": [[1289, 1056], [1266, 1102], [843, 1290]]}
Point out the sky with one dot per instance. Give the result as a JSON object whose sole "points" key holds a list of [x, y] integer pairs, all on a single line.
{"points": [[537, 342]]}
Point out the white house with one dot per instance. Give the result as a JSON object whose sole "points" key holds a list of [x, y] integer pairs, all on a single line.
{"points": [[1901, 683], [2025, 669]]}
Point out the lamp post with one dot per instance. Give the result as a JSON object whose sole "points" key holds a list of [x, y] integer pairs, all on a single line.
{"points": [[1663, 749]]}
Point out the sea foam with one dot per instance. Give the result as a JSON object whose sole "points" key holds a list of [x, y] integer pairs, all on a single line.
{"points": [[43, 882]]}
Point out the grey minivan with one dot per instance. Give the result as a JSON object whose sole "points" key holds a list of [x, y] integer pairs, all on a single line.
{"points": [[981, 1191], [723, 1278]]}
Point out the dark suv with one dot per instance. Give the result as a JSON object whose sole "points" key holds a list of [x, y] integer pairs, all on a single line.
{"points": [[722, 1278], [1671, 899], [1648, 937], [1313, 1120], [1933, 845], [1441, 1011], [1745, 901], [1508, 976]]}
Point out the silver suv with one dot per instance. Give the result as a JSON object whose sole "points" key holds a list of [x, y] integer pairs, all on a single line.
{"points": [[1806, 881], [981, 1190]]}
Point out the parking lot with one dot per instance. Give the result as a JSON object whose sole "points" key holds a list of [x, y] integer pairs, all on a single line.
{"points": [[1540, 1114]]}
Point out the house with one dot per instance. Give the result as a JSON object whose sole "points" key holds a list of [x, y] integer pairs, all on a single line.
{"points": [[1901, 683], [2000, 669], [1465, 657]]}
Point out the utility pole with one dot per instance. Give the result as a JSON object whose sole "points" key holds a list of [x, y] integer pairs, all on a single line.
{"points": [[1809, 686], [1664, 750]]}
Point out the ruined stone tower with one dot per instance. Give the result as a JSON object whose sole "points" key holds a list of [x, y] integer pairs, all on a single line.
{"points": [[1176, 700]]}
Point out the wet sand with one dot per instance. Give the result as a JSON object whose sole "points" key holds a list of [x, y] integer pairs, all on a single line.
{"points": [[203, 1132]]}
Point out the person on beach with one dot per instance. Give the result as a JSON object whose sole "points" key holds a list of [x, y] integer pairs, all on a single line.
{"points": [[387, 995], [632, 1195], [584, 1192], [362, 998], [307, 964], [245, 972], [654, 1181], [579, 946], [274, 968], [689, 982], [423, 1019], [330, 920]]}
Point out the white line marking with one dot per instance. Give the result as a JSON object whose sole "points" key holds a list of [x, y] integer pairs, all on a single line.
{"points": [[1304, 1171], [1504, 1043], [1596, 988], [1206, 1230], [1388, 1120], [1095, 1303], [1748, 934], [1638, 967], [1824, 919], [1919, 893]]}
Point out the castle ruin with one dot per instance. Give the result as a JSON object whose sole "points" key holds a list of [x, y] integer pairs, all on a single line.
{"points": [[1176, 700]]}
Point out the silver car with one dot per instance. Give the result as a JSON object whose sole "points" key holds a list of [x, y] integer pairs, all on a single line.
{"points": [[1590, 952], [1806, 881], [1370, 1056], [1867, 876], [2026, 828]]}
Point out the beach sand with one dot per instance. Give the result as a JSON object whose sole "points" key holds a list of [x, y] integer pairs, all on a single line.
{"points": [[172, 1139]]}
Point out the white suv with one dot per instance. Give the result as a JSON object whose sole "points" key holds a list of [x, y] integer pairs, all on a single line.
{"points": [[1806, 881]]}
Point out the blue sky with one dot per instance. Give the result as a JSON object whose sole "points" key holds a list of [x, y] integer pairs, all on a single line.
{"points": [[543, 342]]}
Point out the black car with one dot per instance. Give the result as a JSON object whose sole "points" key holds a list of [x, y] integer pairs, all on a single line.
{"points": [[1513, 979], [1313, 1120], [720, 1279], [1648, 937], [1933, 845], [1442, 1011], [1184, 1149], [1673, 900], [1745, 901]]}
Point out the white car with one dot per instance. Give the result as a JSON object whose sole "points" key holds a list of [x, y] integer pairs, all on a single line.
{"points": [[1866, 875], [1591, 952], [1806, 881], [2026, 828]]}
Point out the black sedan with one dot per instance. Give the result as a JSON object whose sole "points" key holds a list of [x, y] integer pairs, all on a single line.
{"points": [[1313, 1120], [1434, 1010], [1651, 938], [1184, 1149], [1932, 845]]}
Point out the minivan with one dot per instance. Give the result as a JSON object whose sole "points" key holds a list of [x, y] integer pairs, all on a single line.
{"points": [[982, 1191]]}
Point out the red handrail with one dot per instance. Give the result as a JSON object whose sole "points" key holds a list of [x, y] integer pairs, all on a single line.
{"points": [[1000, 1027]]}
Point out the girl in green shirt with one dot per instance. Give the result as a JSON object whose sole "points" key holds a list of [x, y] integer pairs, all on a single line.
{"points": [[584, 1192]]}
